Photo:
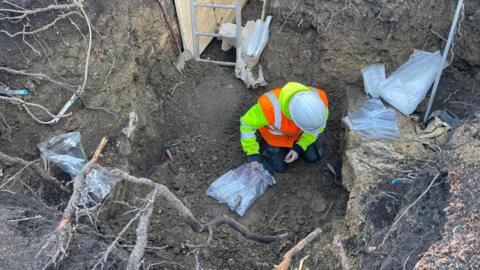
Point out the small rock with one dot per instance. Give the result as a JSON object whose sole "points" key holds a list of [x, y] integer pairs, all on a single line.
{"points": [[231, 262]]}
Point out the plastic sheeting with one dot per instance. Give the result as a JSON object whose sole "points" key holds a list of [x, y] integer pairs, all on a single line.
{"points": [[67, 153], [240, 188], [373, 75], [405, 88], [409, 84], [254, 39], [374, 121]]}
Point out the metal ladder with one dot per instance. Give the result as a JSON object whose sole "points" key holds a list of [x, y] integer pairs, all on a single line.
{"points": [[196, 35]]}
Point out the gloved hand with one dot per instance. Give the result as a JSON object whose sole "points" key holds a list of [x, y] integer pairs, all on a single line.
{"points": [[255, 165], [291, 156]]}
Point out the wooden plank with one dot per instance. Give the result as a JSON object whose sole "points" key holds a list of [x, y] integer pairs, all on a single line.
{"points": [[209, 20]]}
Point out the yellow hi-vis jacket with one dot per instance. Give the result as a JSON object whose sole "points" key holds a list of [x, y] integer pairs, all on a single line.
{"points": [[255, 119]]}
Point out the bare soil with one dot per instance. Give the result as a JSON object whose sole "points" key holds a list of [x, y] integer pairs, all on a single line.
{"points": [[195, 114]]}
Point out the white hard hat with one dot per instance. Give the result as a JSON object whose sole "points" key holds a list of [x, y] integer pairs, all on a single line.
{"points": [[308, 111]]}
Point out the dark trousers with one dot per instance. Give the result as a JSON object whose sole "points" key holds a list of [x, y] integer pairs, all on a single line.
{"points": [[274, 157]]}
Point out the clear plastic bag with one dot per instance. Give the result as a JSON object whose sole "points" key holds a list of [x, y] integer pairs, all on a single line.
{"points": [[240, 188], [375, 122], [67, 153], [409, 84], [373, 75]]}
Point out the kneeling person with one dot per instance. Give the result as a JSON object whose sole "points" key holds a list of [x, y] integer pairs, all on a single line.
{"points": [[289, 119]]}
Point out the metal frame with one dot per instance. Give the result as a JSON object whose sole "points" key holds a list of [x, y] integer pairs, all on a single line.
{"points": [[451, 35], [196, 35]]}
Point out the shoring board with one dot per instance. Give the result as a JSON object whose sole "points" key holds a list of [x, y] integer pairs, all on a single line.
{"points": [[208, 20]]}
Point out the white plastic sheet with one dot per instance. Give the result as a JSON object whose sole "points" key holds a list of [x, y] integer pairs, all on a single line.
{"points": [[374, 122], [254, 39], [409, 84], [67, 153], [240, 188], [373, 75]]}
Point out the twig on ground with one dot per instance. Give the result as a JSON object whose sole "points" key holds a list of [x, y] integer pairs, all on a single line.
{"points": [[300, 265], [172, 91], [109, 71], [287, 258], [341, 254], [330, 206], [438, 35], [288, 16], [394, 225], [450, 96], [24, 219]]}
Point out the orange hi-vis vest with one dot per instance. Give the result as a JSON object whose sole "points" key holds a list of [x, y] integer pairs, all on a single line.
{"points": [[281, 131]]}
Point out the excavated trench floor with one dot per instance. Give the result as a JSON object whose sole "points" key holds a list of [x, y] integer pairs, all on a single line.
{"points": [[200, 128], [202, 119]]}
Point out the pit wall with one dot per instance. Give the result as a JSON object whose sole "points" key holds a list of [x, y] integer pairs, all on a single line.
{"points": [[352, 35], [368, 167]]}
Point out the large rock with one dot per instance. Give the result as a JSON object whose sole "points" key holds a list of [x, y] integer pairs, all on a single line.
{"points": [[370, 164], [368, 167]]}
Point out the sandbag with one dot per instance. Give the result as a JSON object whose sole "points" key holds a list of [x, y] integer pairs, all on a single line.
{"points": [[409, 84]]}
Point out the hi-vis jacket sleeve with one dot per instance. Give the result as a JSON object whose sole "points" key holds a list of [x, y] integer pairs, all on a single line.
{"points": [[306, 139], [252, 120]]}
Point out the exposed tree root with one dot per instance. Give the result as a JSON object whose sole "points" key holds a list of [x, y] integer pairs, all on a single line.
{"points": [[19, 15], [11, 161], [136, 256], [287, 258], [190, 219], [57, 244], [341, 254]]}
